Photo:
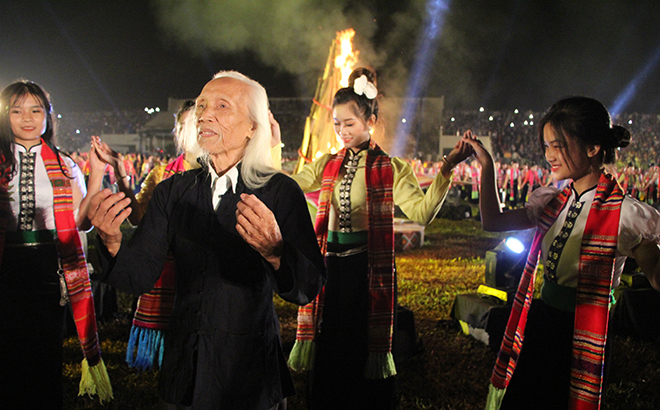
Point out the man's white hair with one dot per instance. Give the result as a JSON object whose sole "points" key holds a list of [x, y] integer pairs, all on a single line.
{"points": [[257, 163], [186, 138]]}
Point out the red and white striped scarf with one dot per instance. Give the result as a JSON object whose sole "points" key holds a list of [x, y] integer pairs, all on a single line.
{"points": [[72, 259], [380, 205], [596, 270]]}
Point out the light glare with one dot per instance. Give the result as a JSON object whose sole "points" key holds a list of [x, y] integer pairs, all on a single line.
{"points": [[514, 245]]}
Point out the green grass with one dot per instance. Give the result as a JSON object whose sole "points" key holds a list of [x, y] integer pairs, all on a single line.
{"points": [[451, 370]]}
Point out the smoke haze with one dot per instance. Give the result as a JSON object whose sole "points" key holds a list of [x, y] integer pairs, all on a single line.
{"points": [[495, 53]]}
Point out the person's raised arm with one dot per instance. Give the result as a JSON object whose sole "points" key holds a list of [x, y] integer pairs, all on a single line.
{"points": [[116, 161], [492, 217], [458, 154], [275, 142], [94, 183], [417, 205]]}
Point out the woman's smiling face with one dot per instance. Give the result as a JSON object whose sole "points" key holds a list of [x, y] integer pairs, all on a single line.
{"points": [[28, 120], [353, 130]]}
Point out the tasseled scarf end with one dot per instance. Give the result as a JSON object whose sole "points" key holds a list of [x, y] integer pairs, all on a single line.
{"points": [[95, 380], [149, 344], [495, 396], [380, 366], [302, 355]]}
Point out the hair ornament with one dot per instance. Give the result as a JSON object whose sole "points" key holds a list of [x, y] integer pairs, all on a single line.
{"points": [[363, 86]]}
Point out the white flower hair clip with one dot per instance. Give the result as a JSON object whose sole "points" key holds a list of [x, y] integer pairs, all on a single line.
{"points": [[363, 86]]}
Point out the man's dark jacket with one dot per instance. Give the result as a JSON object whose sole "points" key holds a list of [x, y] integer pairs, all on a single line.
{"points": [[222, 348]]}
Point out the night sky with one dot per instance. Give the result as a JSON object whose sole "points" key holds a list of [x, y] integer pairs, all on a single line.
{"points": [[501, 54]]}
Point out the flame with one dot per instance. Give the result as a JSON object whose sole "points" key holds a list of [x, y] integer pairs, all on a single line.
{"points": [[347, 59]]}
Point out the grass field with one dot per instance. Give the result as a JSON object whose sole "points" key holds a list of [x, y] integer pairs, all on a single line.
{"points": [[449, 371]]}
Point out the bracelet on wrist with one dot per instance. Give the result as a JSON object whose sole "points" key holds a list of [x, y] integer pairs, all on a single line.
{"points": [[444, 158]]}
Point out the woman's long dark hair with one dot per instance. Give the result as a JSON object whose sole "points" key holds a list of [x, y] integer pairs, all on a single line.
{"points": [[13, 94]]}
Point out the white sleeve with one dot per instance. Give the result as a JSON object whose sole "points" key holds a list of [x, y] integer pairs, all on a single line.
{"points": [[638, 221], [538, 200]]}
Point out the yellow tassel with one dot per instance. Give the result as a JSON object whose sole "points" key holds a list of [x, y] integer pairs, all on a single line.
{"points": [[302, 355], [380, 366], [495, 397], [95, 380]]}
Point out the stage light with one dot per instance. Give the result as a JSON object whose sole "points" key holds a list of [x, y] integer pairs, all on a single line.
{"points": [[515, 245], [505, 263], [481, 109], [403, 120]]}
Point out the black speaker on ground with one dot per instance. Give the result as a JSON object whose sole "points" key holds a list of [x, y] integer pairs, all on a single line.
{"points": [[482, 316], [455, 212], [406, 343], [504, 266]]}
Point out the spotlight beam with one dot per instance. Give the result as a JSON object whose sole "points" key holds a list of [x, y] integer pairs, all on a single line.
{"points": [[623, 99], [436, 11]]}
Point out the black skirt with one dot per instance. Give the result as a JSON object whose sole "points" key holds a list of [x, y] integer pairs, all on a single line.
{"points": [[342, 344], [543, 372], [31, 328]]}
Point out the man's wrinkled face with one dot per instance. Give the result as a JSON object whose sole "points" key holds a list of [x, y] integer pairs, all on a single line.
{"points": [[223, 123]]}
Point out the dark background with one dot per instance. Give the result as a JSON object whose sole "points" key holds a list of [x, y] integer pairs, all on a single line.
{"points": [[501, 54]]}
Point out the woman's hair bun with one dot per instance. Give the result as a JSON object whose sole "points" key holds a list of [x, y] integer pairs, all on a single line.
{"points": [[368, 72], [621, 136]]}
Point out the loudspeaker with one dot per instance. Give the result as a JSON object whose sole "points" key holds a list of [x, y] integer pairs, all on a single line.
{"points": [[455, 212], [504, 267], [405, 343], [483, 317]]}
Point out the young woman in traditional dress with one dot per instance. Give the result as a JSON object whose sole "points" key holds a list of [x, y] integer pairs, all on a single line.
{"points": [[553, 353], [42, 266], [345, 335]]}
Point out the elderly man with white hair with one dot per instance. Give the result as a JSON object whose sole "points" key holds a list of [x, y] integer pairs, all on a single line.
{"points": [[239, 230]]}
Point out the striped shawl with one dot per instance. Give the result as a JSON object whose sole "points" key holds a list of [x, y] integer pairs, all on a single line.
{"points": [[72, 261], [146, 342], [380, 205], [596, 269]]}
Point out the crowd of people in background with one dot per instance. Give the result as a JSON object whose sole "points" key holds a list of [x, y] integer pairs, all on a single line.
{"points": [[519, 160], [239, 232]]}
